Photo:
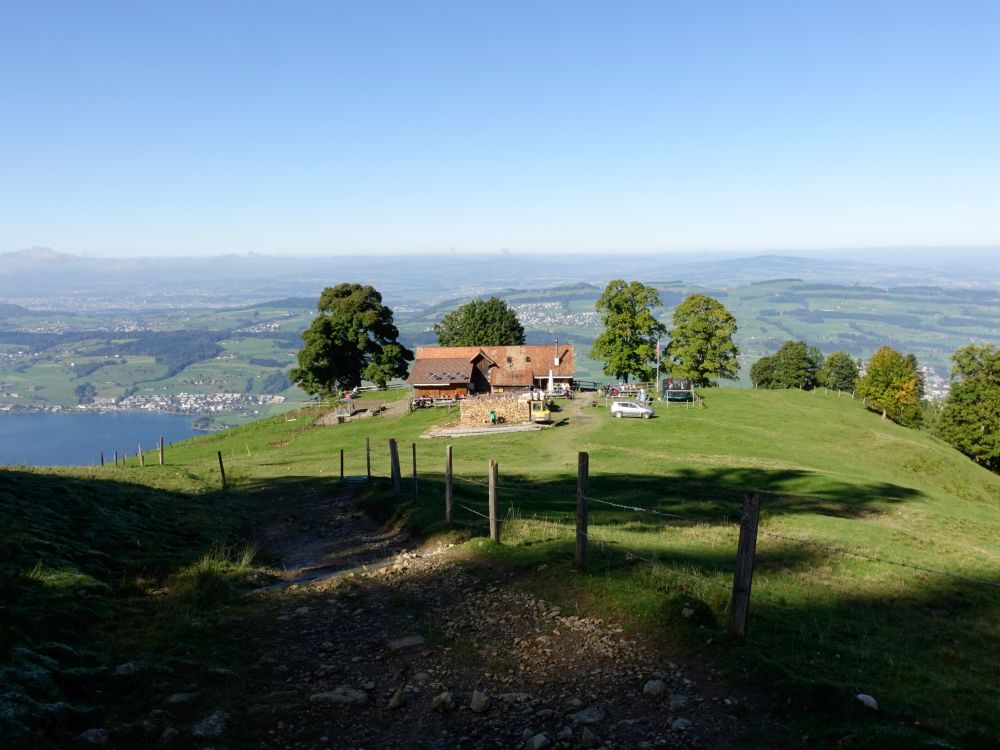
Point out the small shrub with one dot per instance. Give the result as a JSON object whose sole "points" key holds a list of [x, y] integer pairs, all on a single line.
{"points": [[217, 576]]}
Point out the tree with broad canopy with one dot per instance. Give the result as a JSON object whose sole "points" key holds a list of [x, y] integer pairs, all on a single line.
{"points": [[627, 346], [488, 322], [352, 339], [701, 341]]}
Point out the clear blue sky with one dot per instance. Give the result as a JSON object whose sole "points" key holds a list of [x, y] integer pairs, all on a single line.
{"points": [[343, 127]]}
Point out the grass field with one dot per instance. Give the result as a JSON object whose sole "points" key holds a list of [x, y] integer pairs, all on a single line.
{"points": [[839, 487]]}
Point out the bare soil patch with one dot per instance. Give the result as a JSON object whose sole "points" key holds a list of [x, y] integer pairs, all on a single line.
{"points": [[436, 650]]}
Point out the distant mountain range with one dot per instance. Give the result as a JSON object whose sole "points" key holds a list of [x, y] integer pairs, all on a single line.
{"points": [[43, 277]]}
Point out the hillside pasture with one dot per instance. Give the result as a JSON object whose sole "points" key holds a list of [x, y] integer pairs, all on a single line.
{"points": [[857, 513], [877, 567]]}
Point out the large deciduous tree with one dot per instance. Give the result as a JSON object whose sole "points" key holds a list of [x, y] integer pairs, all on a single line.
{"points": [[794, 365], [487, 322], [839, 372], [970, 420], [701, 344], [891, 385], [627, 346], [352, 339]]}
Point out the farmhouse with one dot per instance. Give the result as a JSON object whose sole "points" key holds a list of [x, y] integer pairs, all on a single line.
{"points": [[460, 371]]}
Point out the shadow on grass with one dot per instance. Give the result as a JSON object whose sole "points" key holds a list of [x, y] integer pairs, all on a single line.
{"points": [[927, 654], [926, 649], [78, 555], [701, 495]]}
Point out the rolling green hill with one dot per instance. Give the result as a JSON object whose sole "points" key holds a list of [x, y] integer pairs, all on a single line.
{"points": [[249, 349], [878, 569]]}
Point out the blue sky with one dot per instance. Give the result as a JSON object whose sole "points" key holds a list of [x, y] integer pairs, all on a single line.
{"points": [[335, 127]]}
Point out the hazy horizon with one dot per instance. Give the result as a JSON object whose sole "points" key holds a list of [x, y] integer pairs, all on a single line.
{"points": [[904, 255]]}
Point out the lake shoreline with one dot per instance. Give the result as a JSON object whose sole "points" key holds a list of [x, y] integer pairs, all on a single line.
{"points": [[50, 439]]}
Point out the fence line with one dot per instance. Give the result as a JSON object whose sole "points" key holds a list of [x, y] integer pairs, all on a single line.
{"points": [[513, 491], [639, 509], [510, 487], [470, 510]]}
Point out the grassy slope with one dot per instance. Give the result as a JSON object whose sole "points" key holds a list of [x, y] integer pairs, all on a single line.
{"points": [[824, 625]]}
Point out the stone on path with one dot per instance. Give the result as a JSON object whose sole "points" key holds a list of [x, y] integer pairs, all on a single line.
{"points": [[178, 698], [443, 702], [212, 726], [590, 715], [589, 740], [867, 701], [680, 724], [408, 641], [398, 699], [654, 688], [93, 737], [342, 695], [127, 669], [538, 742], [479, 702]]}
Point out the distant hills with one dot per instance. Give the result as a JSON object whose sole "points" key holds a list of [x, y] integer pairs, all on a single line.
{"points": [[46, 278]]}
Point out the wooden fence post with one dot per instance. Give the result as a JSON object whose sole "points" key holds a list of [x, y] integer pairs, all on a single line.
{"points": [[415, 495], [582, 503], [341, 465], [368, 457], [142, 458], [743, 577], [397, 481], [161, 450], [494, 524], [222, 471], [447, 484], [102, 458], [116, 458]]}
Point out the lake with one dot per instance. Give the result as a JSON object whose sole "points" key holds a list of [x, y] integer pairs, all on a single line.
{"points": [[41, 439]]}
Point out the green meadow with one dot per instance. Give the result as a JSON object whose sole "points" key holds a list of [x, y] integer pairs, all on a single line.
{"points": [[877, 572]]}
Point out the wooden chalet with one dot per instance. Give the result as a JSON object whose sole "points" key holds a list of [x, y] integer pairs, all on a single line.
{"points": [[460, 371]]}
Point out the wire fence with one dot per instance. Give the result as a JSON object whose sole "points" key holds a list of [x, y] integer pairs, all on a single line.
{"points": [[509, 487], [629, 547]]}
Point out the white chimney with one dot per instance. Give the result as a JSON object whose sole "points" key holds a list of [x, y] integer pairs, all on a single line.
{"points": [[556, 360]]}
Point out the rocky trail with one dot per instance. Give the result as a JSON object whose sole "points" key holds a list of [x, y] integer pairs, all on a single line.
{"points": [[436, 650]]}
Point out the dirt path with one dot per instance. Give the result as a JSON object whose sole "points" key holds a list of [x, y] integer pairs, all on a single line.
{"points": [[436, 650]]}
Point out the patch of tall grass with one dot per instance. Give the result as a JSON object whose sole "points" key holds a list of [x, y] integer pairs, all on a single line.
{"points": [[218, 576]]}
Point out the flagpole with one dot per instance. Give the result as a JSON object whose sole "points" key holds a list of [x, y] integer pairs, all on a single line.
{"points": [[657, 367]]}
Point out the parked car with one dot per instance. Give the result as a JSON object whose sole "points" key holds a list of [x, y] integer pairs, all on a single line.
{"points": [[630, 409]]}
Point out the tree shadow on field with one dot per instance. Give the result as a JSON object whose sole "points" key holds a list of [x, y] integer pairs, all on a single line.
{"points": [[921, 645], [924, 645], [77, 552], [700, 495]]}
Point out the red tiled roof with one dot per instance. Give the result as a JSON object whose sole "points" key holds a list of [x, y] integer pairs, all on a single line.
{"points": [[535, 359], [503, 376], [440, 371]]}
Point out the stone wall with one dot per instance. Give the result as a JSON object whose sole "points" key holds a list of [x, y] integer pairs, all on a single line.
{"points": [[475, 412]]}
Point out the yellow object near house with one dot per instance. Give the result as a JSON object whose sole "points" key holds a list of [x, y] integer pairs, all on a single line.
{"points": [[540, 412]]}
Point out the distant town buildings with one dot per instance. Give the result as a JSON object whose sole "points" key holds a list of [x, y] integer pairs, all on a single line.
{"points": [[184, 403]]}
